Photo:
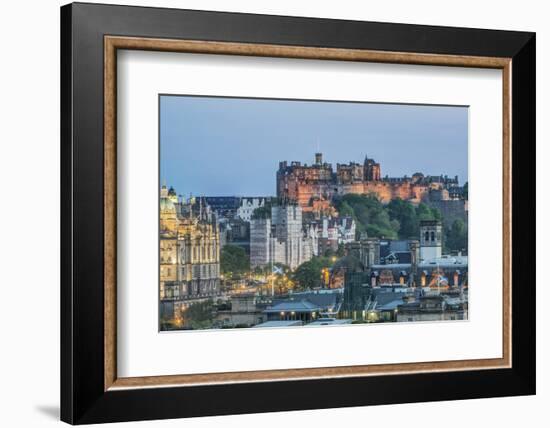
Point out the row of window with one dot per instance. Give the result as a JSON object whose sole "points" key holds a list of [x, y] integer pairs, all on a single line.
{"points": [[430, 236], [174, 291], [198, 271], [202, 253]]}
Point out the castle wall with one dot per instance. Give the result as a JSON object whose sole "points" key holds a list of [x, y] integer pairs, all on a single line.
{"points": [[452, 210], [307, 184], [304, 193]]}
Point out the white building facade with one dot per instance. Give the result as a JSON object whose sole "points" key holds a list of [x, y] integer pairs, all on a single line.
{"points": [[247, 207], [281, 239], [431, 240]]}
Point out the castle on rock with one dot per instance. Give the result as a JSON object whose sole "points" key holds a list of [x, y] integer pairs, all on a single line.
{"points": [[314, 186]]}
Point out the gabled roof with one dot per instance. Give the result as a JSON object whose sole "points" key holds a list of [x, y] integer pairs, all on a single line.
{"points": [[323, 300], [285, 323], [293, 306], [393, 304]]}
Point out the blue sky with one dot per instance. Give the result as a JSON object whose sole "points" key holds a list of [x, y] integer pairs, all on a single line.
{"points": [[232, 146]]}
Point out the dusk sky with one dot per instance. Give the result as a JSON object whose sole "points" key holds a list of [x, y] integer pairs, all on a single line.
{"points": [[232, 146]]}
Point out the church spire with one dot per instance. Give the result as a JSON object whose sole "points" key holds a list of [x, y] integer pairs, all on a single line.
{"points": [[163, 190]]}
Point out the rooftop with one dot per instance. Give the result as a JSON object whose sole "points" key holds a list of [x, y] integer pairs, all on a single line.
{"points": [[289, 323], [293, 306], [329, 321], [392, 305]]}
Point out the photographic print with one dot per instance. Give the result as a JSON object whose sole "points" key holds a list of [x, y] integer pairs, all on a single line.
{"points": [[309, 213], [296, 186]]}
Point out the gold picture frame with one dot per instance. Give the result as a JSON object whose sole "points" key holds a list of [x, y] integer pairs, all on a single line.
{"points": [[114, 43]]}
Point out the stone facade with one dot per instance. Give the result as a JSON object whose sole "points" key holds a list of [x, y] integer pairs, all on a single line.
{"points": [[333, 231], [452, 209], [307, 185], [189, 251], [431, 240], [282, 238], [433, 307], [260, 242]]}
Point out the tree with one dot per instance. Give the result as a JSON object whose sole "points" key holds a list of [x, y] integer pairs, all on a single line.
{"points": [[199, 315], [234, 260], [369, 214], [346, 210], [423, 212], [308, 274], [329, 252], [457, 236], [398, 219], [262, 212], [437, 214], [404, 212], [262, 270]]}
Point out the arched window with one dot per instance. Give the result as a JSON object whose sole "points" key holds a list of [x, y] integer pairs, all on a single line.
{"points": [[433, 236], [427, 236]]}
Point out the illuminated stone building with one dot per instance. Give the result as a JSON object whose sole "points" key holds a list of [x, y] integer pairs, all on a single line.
{"points": [[430, 288], [282, 238], [334, 231], [189, 251], [308, 185]]}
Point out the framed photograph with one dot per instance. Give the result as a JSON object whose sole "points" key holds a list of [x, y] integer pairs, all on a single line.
{"points": [[266, 213]]}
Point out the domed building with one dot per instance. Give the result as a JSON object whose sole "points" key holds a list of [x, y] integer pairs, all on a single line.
{"points": [[168, 243], [168, 214], [172, 195]]}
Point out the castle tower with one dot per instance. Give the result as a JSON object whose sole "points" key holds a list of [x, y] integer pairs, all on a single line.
{"points": [[431, 232], [164, 190], [371, 170], [318, 158], [168, 213]]}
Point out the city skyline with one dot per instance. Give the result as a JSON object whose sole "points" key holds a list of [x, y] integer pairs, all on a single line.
{"points": [[243, 140], [369, 224]]}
